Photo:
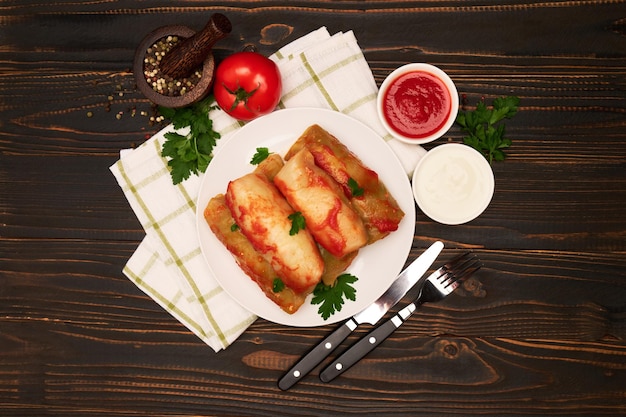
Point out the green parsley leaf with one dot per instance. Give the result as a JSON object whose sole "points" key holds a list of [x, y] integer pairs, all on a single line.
{"points": [[190, 153], [278, 285], [485, 132], [331, 297], [260, 156], [297, 223], [234, 227], [355, 190]]}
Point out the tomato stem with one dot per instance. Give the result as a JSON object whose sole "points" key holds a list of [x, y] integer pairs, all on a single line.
{"points": [[241, 95]]}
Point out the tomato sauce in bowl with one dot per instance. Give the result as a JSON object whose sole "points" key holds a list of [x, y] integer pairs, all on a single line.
{"points": [[417, 103]]}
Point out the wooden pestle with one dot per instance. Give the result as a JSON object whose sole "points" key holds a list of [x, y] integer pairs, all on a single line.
{"points": [[190, 53]]}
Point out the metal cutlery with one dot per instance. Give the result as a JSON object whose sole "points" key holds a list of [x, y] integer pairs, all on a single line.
{"points": [[401, 285], [437, 286]]}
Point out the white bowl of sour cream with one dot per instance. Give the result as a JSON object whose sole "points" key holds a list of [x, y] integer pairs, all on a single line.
{"points": [[453, 183]]}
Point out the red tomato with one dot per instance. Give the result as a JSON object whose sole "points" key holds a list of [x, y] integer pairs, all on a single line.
{"points": [[247, 85]]}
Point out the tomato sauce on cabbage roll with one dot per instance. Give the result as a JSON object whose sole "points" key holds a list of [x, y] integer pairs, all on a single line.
{"points": [[328, 214], [262, 214], [219, 219], [377, 208]]}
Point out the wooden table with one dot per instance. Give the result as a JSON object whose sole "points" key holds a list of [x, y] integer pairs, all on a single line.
{"points": [[541, 330]]}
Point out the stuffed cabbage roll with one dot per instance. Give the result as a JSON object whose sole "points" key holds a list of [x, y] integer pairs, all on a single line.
{"points": [[374, 204], [270, 166], [328, 214], [219, 219], [334, 266], [262, 214]]}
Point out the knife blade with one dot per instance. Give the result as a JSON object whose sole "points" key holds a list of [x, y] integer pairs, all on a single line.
{"points": [[374, 312]]}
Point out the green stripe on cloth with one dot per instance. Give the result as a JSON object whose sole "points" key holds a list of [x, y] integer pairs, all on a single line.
{"points": [[147, 181], [185, 272], [187, 257], [170, 304], [317, 80], [358, 103]]}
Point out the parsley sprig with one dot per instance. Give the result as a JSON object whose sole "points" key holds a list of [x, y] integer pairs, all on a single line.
{"points": [[261, 155], [355, 190], [331, 297], [190, 153], [485, 132], [278, 285], [297, 223]]}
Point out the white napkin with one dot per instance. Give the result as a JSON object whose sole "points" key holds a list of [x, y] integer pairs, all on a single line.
{"points": [[318, 70]]}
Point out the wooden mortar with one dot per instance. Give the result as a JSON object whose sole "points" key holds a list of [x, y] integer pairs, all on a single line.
{"points": [[191, 53]]}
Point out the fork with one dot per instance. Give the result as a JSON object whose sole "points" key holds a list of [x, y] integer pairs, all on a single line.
{"points": [[437, 286]]}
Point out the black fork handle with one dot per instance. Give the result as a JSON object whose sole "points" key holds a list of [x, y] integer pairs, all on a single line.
{"points": [[365, 345]]}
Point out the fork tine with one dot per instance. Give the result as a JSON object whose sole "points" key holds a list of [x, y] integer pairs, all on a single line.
{"points": [[445, 269], [460, 260], [457, 270], [457, 277]]}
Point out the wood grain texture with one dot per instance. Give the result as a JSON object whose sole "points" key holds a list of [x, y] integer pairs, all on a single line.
{"points": [[540, 330]]}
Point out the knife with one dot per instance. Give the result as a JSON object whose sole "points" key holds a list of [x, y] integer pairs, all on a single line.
{"points": [[438, 285], [401, 285]]}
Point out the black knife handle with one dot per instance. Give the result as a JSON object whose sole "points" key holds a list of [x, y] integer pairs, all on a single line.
{"points": [[359, 350], [316, 355]]}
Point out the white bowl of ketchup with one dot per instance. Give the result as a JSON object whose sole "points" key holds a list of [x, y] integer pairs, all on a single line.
{"points": [[417, 103]]}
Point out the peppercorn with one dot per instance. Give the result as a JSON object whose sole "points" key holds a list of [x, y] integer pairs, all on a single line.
{"points": [[161, 82]]}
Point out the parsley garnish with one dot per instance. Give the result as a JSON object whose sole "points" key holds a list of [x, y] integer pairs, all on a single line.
{"points": [[278, 285], [331, 297], [297, 223], [190, 153], [234, 227], [260, 156], [485, 134], [355, 190]]}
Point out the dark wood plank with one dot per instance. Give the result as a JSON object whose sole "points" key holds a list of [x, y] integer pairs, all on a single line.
{"points": [[73, 337], [548, 295]]}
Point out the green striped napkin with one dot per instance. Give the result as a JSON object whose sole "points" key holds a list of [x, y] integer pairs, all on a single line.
{"points": [[318, 70]]}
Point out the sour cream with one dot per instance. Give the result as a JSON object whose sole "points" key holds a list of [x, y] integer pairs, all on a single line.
{"points": [[453, 183]]}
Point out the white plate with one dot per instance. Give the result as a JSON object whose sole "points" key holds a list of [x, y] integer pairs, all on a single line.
{"points": [[376, 266]]}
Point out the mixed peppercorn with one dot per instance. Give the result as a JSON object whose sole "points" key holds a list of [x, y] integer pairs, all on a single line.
{"points": [[161, 82]]}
